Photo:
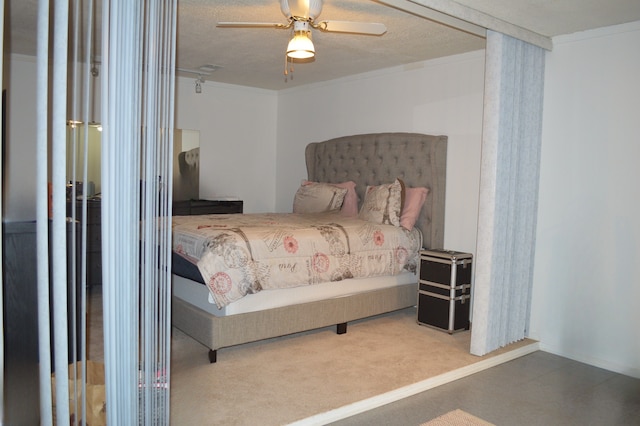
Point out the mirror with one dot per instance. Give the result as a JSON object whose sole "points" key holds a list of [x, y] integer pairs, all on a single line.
{"points": [[186, 160], [186, 165], [76, 133]]}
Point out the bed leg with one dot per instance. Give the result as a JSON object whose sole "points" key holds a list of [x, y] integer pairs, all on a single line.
{"points": [[213, 356], [341, 328]]}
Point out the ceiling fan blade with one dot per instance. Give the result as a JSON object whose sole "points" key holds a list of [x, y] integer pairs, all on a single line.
{"points": [[352, 27], [252, 24]]}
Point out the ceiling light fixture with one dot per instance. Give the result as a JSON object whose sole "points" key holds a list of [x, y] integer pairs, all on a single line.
{"points": [[209, 68], [203, 71], [199, 82], [301, 46]]}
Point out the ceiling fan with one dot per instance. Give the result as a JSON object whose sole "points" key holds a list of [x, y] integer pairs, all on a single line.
{"points": [[301, 16]]}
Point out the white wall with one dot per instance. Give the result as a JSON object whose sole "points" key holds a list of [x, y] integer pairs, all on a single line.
{"points": [[19, 201], [586, 279], [237, 128], [237, 135], [442, 96]]}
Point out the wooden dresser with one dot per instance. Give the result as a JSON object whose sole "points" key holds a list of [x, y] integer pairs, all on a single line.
{"points": [[195, 207]]}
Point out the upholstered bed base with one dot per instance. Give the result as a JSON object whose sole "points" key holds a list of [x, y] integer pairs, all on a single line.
{"points": [[218, 332], [369, 159]]}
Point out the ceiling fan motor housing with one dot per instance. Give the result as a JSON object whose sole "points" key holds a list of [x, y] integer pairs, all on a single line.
{"points": [[301, 26]]}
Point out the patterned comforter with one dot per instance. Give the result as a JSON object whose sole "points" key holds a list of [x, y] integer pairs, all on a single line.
{"points": [[239, 254]]}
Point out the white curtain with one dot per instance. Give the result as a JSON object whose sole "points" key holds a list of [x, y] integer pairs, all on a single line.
{"points": [[2, 142], [509, 176], [138, 62], [138, 53], [51, 130]]}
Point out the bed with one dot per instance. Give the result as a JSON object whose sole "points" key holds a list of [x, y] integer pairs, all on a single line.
{"points": [[367, 160]]}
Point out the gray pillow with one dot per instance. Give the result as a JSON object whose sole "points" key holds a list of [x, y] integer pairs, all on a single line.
{"points": [[314, 197]]}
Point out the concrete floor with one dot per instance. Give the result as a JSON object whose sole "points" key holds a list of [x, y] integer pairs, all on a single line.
{"points": [[536, 389]]}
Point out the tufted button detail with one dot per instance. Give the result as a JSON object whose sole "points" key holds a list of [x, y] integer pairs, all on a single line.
{"points": [[373, 159]]}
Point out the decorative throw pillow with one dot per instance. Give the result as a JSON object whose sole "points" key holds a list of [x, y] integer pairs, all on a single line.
{"points": [[350, 203], [313, 197], [383, 203], [413, 201]]}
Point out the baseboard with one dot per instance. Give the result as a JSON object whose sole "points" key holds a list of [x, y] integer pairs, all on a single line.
{"points": [[593, 361], [406, 391]]}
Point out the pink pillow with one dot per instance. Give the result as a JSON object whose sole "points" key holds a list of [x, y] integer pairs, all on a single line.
{"points": [[350, 203], [414, 199]]}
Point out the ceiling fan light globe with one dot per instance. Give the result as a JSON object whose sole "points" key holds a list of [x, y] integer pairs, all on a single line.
{"points": [[300, 54], [301, 47]]}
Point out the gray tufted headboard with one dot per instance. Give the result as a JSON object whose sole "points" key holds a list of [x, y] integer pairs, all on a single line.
{"points": [[377, 158]]}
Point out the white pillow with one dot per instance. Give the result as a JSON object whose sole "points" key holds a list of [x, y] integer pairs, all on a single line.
{"points": [[314, 197]]}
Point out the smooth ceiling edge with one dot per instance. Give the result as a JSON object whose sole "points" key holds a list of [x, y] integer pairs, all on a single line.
{"points": [[434, 15], [475, 17]]}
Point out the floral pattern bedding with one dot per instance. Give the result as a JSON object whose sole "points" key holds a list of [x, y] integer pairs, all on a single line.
{"points": [[239, 254]]}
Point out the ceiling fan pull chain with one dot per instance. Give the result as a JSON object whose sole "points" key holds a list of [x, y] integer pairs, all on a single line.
{"points": [[285, 68], [286, 71]]}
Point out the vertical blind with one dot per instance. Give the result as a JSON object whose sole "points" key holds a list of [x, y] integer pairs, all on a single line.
{"points": [[509, 177], [1, 209], [138, 53], [137, 109]]}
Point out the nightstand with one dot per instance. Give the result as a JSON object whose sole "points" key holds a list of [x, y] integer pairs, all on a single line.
{"points": [[196, 207], [444, 295]]}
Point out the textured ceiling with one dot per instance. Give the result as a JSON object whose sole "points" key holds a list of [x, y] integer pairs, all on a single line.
{"points": [[256, 56]]}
